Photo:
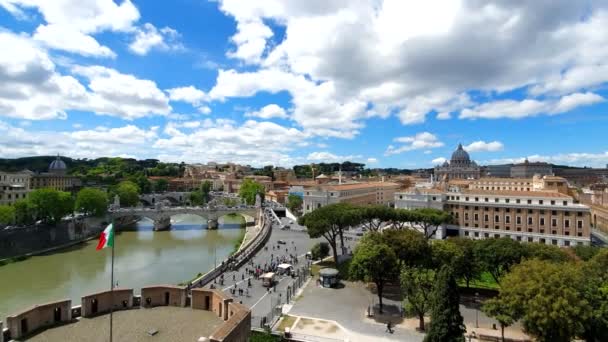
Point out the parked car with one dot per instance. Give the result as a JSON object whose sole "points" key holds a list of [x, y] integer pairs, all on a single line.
{"points": [[281, 242]]}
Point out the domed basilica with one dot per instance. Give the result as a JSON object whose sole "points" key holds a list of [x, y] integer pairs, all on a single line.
{"points": [[460, 167]]}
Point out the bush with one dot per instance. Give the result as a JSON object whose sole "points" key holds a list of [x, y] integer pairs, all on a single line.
{"points": [[320, 250]]}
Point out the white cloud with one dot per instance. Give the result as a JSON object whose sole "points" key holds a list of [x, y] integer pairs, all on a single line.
{"points": [[253, 142], [328, 157], [409, 59], [529, 107], [580, 159], [189, 94], [268, 112], [250, 41], [423, 140], [64, 38], [101, 142], [122, 95], [438, 161], [148, 37], [71, 24], [482, 146], [372, 160], [204, 109]]}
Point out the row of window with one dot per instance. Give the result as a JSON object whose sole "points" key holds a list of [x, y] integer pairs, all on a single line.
{"points": [[519, 210], [506, 200], [519, 238], [518, 220]]}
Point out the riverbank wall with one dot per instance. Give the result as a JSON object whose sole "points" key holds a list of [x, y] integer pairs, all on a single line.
{"points": [[16, 243]]}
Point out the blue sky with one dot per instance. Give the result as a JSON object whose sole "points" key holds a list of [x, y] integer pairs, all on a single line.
{"points": [[387, 83]]}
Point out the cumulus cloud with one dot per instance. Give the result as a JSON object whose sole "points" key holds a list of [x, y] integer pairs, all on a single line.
{"points": [[529, 107], [372, 160], [268, 112], [329, 157], [580, 159], [148, 37], [71, 24], [409, 59], [439, 161], [423, 140], [189, 94], [482, 146]]}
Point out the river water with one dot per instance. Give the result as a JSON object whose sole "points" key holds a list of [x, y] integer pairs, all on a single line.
{"points": [[142, 257]]}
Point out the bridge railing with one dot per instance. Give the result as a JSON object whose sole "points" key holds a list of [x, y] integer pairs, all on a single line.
{"points": [[241, 256]]}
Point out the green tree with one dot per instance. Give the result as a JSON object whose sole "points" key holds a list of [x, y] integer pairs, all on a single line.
{"points": [[320, 250], [161, 185], [429, 220], [547, 298], [249, 189], [468, 266], [374, 261], [128, 192], [51, 205], [373, 216], [504, 314], [401, 218], [294, 203], [586, 252], [446, 322], [7, 214], [330, 222], [546, 252], [24, 212], [197, 198], [498, 255], [206, 187], [410, 246], [91, 201], [143, 183], [416, 287], [595, 292]]}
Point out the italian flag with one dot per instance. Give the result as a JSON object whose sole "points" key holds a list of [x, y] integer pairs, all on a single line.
{"points": [[106, 239]]}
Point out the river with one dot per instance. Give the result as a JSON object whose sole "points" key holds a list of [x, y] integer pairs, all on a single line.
{"points": [[142, 257]]}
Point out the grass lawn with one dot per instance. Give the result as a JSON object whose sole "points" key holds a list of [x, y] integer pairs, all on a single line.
{"points": [[287, 322], [484, 282], [263, 337]]}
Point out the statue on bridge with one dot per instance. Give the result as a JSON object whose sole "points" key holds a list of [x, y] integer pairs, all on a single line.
{"points": [[258, 201], [116, 204]]}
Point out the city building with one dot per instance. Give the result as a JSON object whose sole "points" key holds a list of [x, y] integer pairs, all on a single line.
{"points": [[582, 176], [284, 175], [14, 186], [528, 169], [545, 215], [530, 216], [56, 178], [418, 198], [460, 166], [497, 171], [354, 193]]}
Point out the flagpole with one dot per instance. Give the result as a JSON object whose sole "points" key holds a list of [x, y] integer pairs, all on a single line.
{"points": [[112, 278]]}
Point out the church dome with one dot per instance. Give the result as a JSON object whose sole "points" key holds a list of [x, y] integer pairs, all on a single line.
{"points": [[460, 157], [57, 166]]}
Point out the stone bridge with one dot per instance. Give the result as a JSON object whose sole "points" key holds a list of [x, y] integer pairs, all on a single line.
{"points": [[162, 215], [173, 197]]}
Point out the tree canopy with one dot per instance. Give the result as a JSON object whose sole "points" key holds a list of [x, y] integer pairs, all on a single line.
{"points": [[128, 192], [7, 214], [294, 203], [374, 261], [91, 201], [249, 189], [447, 324], [50, 205]]}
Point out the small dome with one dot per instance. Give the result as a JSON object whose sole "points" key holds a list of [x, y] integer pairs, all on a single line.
{"points": [[445, 164], [460, 156], [57, 166]]}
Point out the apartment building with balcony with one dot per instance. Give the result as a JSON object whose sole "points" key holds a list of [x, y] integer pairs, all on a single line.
{"points": [[354, 193]]}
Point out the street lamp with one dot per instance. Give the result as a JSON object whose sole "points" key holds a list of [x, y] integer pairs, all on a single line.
{"points": [[476, 311]]}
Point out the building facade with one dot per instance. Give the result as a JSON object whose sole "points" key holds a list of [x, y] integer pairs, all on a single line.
{"points": [[14, 186], [529, 169], [530, 216], [460, 167], [354, 193], [56, 178], [418, 198]]}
